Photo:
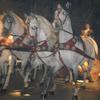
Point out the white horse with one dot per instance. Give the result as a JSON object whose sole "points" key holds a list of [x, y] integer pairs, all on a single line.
{"points": [[70, 51], [74, 51], [66, 34], [46, 39], [38, 27], [15, 26], [41, 30], [6, 62]]}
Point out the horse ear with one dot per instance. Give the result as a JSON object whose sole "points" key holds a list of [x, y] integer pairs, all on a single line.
{"points": [[4, 13], [8, 12], [26, 16], [1, 17], [32, 14]]}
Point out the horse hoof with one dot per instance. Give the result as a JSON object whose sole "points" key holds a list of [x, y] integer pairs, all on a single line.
{"points": [[22, 93], [24, 90], [41, 85], [75, 98], [32, 80], [41, 82], [51, 92], [66, 82], [43, 96]]}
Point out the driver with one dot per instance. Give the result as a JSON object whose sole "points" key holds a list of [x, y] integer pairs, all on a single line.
{"points": [[86, 31]]}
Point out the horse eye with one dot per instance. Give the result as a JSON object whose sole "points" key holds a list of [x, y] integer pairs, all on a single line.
{"points": [[64, 13], [32, 28], [8, 20], [28, 22]]}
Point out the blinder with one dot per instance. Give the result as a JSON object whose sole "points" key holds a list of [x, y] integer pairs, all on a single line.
{"points": [[7, 21]]}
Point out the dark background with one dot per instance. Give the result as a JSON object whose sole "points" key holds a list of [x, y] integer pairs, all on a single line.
{"points": [[81, 11]]}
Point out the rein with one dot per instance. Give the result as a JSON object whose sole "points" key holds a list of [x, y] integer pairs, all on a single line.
{"points": [[62, 23], [49, 55], [67, 31], [54, 50], [64, 65], [77, 50], [11, 21], [41, 59]]}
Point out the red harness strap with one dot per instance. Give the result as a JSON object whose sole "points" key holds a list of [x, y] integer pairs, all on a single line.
{"points": [[19, 40], [70, 45]]}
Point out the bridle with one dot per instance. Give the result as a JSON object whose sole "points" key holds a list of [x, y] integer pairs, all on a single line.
{"points": [[62, 23], [35, 28], [10, 21]]}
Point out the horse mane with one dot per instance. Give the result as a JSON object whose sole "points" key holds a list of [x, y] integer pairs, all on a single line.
{"points": [[1, 24], [48, 29], [18, 18], [18, 26], [1, 17]]}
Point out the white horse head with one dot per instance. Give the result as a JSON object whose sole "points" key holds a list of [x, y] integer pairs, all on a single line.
{"points": [[32, 25], [13, 24], [41, 28], [62, 24]]}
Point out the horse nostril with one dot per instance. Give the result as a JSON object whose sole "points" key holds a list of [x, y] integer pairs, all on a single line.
{"points": [[32, 28]]}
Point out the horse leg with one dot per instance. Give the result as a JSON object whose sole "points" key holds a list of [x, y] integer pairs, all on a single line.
{"points": [[46, 83], [89, 69], [26, 79], [8, 73], [35, 72], [70, 76], [0, 77], [23, 67], [53, 85], [26, 83], [67, 75], [45, 87], [44, 74], [4, 66], [76, 88]]}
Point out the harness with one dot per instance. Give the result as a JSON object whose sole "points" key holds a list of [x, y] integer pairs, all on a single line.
{"points": [[70, 44], [10, 20]]}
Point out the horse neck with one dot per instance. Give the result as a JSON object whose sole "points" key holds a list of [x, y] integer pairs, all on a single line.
{"points": [[1, 27], [17, 27], [66, 33], [41, 35], [48, 32]]}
